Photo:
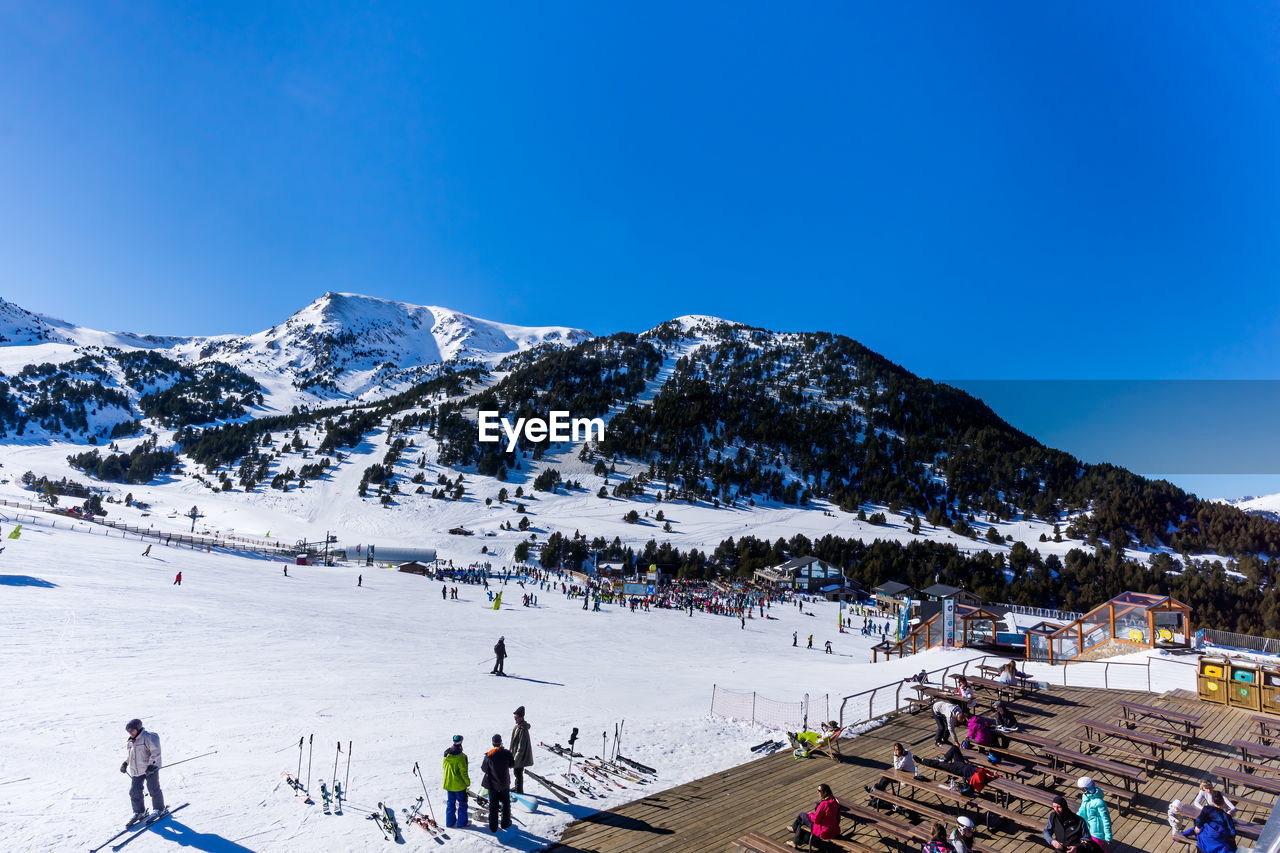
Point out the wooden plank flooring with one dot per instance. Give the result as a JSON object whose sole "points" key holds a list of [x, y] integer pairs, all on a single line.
{"points": [[765, 795]]}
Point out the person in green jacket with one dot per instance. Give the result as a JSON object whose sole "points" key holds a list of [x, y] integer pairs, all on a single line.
{"points": [[1094, 810], [456, 782]]}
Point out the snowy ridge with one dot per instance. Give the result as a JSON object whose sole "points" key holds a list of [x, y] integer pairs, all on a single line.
{"points": [[341, 345]]}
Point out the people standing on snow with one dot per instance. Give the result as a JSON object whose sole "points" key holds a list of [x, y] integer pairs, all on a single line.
{"points": [[147, 553], [444, 592], [795, 635], [497, 778], [811, 641], [359, 580], [829, 647], [500, 653], [143, 765], [457, 779], [177, 579], [286, 571], [521, 750]]}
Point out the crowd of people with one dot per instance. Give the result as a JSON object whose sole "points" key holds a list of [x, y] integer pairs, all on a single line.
{"points": [[1082, 827]]}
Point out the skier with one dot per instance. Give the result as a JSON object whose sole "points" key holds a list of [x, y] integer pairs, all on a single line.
{"points": [[177, 579], [795, 638], [521, 749], [811, 641], [143, 764], [829, 647], [457, 780], [444, 592], [286, 571], [147, 553], [497, 778], [500, 652], [359, 580]]}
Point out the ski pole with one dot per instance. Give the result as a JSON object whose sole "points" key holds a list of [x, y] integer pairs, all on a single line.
{"points": [[346, 785], [192, 758], [335, 762], [418, 773], [617, 747], [311, 748], [301, 738], [604, 743]]}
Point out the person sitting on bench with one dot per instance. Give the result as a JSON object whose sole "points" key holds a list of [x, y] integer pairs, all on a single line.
{"points": [[937, 842], [1205, 798], [822, 822], [903, 761]]}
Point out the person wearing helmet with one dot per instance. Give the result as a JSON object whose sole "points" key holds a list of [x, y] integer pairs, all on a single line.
{"points": [[961, 837], [142, 766]]}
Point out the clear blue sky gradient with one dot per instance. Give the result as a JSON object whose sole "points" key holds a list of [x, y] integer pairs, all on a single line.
{"points": [[989, 190]]}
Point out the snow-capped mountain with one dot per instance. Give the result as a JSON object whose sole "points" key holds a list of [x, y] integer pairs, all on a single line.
{"points": [[341, 345], [349, 345]]}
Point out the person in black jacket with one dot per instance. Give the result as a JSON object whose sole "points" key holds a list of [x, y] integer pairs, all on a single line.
{"points": [[499, 652], [1065, 830], [497, 778]]}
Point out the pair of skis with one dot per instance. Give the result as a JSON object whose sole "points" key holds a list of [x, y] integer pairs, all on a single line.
{"points": [[136, 828], [561, 793], [385, 818], [768, 747], [560, 750], [417, 816]]}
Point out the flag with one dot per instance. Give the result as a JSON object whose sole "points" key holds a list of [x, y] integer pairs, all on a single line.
{"points": [[16, 532]]}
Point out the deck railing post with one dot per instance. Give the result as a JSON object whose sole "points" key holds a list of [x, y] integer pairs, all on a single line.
{"points": [[753, 707]]}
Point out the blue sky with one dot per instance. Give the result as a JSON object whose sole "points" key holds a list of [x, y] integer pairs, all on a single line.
{"points": [[979, 190]]}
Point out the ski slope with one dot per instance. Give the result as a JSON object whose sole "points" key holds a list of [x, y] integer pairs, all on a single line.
{"points": [[242, 660]]}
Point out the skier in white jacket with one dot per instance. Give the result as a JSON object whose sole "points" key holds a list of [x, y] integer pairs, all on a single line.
{"points": [[143, 764]]}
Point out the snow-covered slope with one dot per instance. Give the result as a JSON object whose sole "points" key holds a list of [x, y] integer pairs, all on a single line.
{"points": [[1264, 505], [243, 660]]}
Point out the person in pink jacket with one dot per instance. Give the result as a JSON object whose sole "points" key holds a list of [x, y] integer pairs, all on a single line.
{"points": [[822, 822]]}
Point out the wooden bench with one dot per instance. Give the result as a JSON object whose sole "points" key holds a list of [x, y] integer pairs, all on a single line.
{"points": [[1131, 776], [1268, 727], [754, 842], [1172, 723], [1247, 780], [1012, 789], [1139, 741]]}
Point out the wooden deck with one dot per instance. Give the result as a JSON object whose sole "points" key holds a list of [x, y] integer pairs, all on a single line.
{"points": [[765, 795]]}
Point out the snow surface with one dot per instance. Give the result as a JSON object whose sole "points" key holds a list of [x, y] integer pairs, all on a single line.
{"points": [[244, 660]]}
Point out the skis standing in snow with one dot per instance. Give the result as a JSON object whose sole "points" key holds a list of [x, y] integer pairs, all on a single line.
{"points": [[143, 765]]}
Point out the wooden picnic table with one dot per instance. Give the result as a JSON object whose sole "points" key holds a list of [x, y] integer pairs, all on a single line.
{"points": [[1173, 723], [1264, 751], [1268, 727], [939, 694], [1030, 739], [896, 829], [1247, 780], [1158, 744], [1131, 776], [1021, 791]]}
